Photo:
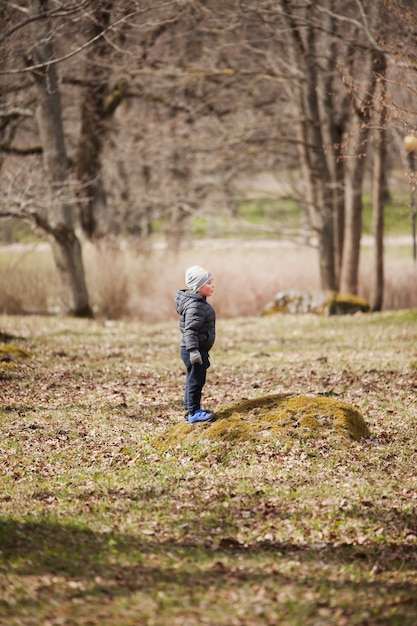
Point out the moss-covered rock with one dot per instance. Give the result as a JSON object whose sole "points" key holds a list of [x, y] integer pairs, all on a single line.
{"points": [[11, 351], [280, 417], [319, 303], [10, 354]]}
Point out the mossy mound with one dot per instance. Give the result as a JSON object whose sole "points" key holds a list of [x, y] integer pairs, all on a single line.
{"points": [[320, 303], [280, 417], [14, 351], [9, 354]]}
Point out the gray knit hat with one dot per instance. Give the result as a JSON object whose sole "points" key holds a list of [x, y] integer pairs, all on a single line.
{"points": [[196, 277]]}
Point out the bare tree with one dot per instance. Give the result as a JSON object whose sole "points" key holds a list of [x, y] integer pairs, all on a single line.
{"points": [[315, 113], [59, 224], [213, 91]]}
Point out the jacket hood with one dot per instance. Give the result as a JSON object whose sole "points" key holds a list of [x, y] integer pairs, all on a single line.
{"points": [[184, 297]]}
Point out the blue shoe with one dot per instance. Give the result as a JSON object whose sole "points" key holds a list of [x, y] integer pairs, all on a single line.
{"points": [[199, 416]]}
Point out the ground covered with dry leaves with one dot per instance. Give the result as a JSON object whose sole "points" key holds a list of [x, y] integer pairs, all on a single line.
{"points": [[99, 527]]}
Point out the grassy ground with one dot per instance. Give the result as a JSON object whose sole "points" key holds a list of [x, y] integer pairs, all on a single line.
{"points": [[98, 527]]}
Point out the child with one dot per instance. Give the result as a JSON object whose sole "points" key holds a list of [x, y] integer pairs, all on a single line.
{"points": [[198, 332]]}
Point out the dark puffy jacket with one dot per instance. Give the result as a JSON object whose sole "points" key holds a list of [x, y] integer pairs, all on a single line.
{"points": [[197, 320]]}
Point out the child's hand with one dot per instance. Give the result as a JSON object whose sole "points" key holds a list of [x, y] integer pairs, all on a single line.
{"points": [[195, 357]]}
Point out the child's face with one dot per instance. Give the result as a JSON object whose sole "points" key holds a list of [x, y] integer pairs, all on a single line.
{"points": [[207, 289]]}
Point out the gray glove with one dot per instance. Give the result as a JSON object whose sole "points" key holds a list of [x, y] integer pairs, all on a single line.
{"points": [[195, 357]]}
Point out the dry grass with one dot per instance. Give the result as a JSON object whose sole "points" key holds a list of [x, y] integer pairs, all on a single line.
{"points": [[28, 280], [141, 285]]}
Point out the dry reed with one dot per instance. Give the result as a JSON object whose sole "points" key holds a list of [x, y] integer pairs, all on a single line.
{"points": [[129, 283]]}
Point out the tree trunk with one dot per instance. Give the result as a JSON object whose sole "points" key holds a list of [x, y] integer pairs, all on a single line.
{"points": [[319, 180], [353, 221], [354, 180], [312, 134], [65, 245], [99, 104], [377, 294], [379, 196]]}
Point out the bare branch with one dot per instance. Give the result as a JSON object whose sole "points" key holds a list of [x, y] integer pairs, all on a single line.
{"points": [[54, 13], [16, 112], [65, 57], [21, 151]]}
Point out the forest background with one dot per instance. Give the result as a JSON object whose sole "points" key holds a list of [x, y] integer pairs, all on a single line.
{"points": [[134, 132]]}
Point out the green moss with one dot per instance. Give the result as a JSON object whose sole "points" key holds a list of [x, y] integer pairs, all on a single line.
{"points": [[345, 304], [13, 351], [9, 354], [280, 416], [6, 366]]}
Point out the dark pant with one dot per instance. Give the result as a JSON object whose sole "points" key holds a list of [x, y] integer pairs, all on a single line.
{"points": [[195, 379]]}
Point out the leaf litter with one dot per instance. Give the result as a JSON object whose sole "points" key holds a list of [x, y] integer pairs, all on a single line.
{"points": [[98, 525]]}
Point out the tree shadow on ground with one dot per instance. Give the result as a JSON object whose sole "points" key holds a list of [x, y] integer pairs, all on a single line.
{"points": [[42, 547], [116, 565]]}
